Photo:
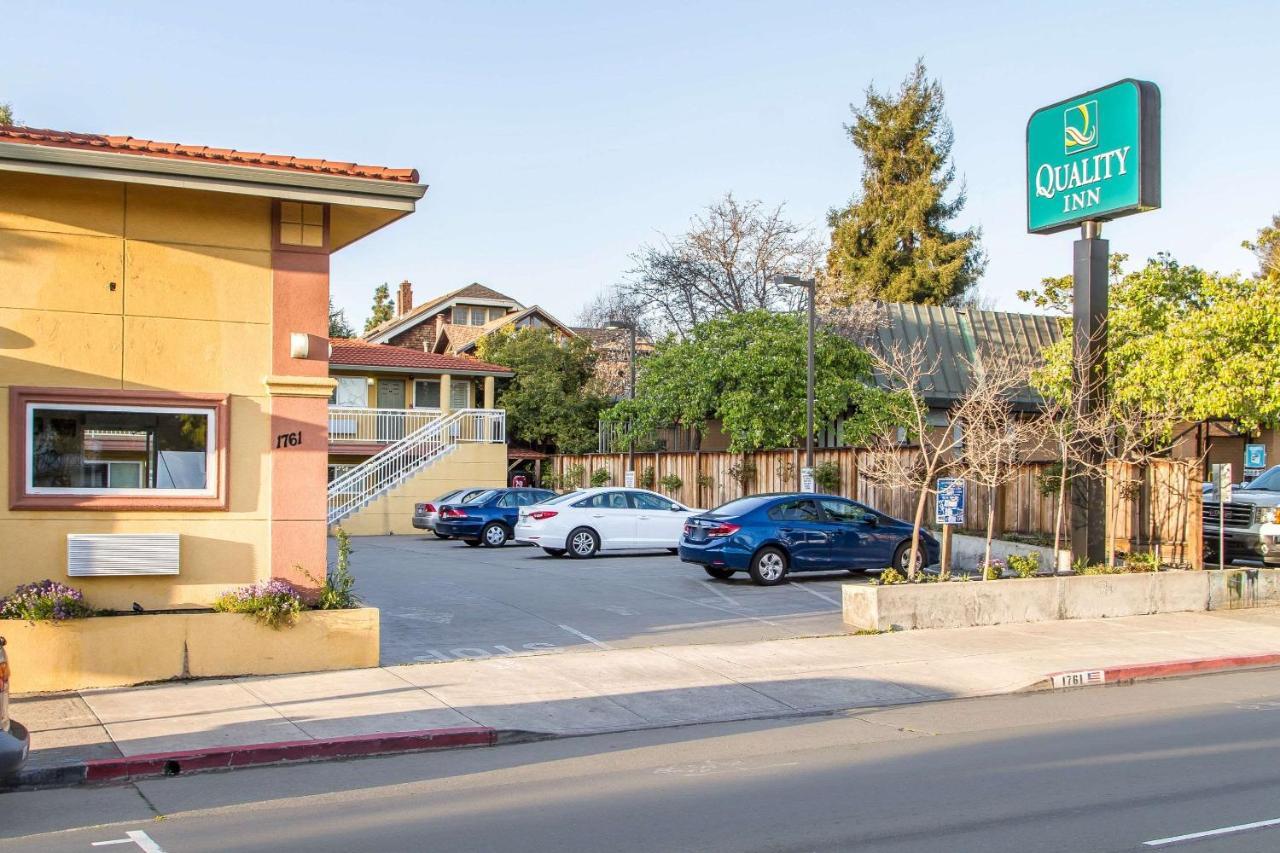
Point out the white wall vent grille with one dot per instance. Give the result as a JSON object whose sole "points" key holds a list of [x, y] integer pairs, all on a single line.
{"points": [[114, 554]]}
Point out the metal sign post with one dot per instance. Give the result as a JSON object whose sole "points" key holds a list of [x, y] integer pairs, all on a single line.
{"points": [[1090, 159]]}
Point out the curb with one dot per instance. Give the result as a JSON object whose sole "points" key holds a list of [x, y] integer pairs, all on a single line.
{"points": [[160, 764], [1130, 673]]}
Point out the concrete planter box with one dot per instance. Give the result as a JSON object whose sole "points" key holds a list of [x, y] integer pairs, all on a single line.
{"points": [[958, 605], [115, 651]]}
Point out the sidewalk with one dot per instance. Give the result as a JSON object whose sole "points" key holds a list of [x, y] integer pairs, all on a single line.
{"points": [[572, 693]]}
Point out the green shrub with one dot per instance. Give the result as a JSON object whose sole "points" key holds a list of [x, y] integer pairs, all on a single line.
{"points": [[647, 477], [705, 481], [1141, 561], [1025, 565], [826, 476], [1050, 479], [600, 477], [573, 475], [993, 571], [742, 473], [275, 603], [1081, 567], [671, 483], [338, 590], [891, 576]]}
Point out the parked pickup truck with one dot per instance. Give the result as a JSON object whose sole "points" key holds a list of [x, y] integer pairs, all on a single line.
{"points": [[1252, 528]]}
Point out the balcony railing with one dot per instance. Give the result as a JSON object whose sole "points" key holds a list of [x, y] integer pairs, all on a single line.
{"points": [[377, 426]]}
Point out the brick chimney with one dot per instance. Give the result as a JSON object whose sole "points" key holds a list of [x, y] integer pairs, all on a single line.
{"points": [[404, 299]]}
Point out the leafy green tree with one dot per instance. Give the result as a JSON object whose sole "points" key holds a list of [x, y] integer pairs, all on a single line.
{"points": [[338, 325], [382, 310], [748, 371], [6, 114], [894, 242], [551, 402], [1267, 248], [1177, 334]]}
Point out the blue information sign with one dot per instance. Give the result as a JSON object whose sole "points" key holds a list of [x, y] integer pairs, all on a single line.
{"points": [[1255, 456], [949, 508]]}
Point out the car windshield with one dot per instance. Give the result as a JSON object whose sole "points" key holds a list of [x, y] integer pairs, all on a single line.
{"points": [[741, 506], [1268, 482], [559, 499]]}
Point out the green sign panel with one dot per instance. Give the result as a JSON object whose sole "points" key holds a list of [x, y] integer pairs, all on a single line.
{"points": [[1095, 156]]}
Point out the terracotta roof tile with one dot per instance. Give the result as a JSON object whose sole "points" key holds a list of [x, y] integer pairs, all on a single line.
{"points": [[348, 351], [172, 150]]}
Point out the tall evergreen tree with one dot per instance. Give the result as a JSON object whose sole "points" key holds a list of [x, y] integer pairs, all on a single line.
{"points": [[338, 325], [382, 310], [893, 241]]}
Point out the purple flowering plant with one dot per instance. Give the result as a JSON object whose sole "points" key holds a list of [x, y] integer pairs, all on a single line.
{"points": [[45, 601], [275, 603]]}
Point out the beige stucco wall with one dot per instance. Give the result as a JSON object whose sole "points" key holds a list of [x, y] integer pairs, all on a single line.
{"points": [[467, 465], [190, 311]]}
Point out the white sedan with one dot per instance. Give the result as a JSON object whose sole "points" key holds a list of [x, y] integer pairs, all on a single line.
{"points": [[588, 521]]}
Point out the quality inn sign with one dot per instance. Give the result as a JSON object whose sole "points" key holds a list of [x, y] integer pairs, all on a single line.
{"points": [[1094, 157]]}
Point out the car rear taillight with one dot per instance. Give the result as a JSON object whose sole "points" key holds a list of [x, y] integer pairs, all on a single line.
{"points": [[423, 509], [723, 530], [543, 514], [453, 513], [688, 528]]}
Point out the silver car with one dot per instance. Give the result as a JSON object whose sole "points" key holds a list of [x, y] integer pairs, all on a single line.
{"points": [[425, 515], [14, 741]]}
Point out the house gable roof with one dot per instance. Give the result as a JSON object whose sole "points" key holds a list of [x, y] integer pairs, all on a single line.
{"points": [[502, 323], [427, 310]]}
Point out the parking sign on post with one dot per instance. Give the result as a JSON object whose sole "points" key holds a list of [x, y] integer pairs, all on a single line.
{"points": [[806, 481], [1255, 461], [949, 508]]}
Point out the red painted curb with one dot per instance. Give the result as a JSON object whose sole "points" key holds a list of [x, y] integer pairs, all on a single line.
{"points": [[225, 757], [1164, 669]]}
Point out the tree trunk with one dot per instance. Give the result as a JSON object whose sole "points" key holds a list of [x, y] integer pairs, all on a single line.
{"points": [[991, 523], [1060, 511], [915, 533]]}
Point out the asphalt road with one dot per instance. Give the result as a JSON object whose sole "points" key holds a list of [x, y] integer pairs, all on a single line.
{"points": [[441, 600], [1097, 769]]}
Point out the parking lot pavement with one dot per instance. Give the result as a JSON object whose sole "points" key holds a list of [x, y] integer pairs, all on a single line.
{"points": [[441, 601]]}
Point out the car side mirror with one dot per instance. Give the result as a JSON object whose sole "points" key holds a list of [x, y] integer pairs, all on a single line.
{"points": [[870, 520], [677, 508]]}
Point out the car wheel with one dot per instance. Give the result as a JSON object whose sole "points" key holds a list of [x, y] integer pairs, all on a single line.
{"points": [[903, 554], [494, 535], [769, 566], [720, 573], [440, 535], [554, 552], [472, 543], [583, 543]]}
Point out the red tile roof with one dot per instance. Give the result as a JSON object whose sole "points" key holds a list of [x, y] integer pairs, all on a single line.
{"points": [[174, 151], [348, 351]]}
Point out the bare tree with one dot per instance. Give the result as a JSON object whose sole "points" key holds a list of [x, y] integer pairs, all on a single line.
{"points": [[996, 438], [725, 263], [906, 371]]}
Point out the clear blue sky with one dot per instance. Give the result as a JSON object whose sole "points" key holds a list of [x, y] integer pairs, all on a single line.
{"points": [[557, 137]]}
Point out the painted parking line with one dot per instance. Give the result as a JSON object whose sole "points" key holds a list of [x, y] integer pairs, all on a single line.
{"points": [[136, 837], [1209, 833], [711, 586], [825, 598], [592, 640]]}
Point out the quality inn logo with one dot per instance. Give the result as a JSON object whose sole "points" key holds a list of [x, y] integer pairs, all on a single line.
{"points": [[1080, 127]]}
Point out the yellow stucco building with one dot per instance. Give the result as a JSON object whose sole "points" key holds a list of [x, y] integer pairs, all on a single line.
{"points": [[164, 352]]}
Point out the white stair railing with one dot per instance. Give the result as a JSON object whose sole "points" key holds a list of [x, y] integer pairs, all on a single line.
{"points": [[397, 462]]}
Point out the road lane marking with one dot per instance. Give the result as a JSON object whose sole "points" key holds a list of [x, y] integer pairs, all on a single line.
{"points": [[586, 637], [1226, 830], [143, 841], [711, 586], [825, 598]]}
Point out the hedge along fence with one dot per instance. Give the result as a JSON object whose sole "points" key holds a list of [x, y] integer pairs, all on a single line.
{"points": [[1165, 511]]}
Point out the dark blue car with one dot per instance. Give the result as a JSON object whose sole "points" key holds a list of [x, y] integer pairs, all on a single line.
{"points": [[488, 518], [771, 535]]}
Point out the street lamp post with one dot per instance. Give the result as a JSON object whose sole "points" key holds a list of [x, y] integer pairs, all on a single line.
{"points": [[811, 285], [631, 391]]}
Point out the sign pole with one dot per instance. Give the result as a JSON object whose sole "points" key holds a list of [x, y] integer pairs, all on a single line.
{"points": [[1088, 489], [944, 559]]}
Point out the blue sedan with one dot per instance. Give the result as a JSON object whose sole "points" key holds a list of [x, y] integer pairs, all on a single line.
{"points": [[769, 536], [488, 518]]}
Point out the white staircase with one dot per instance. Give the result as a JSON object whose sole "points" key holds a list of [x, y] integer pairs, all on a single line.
{"points": [[400, 460]]}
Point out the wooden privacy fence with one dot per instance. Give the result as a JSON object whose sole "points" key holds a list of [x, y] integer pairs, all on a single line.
{"points": [[1162, 503]]}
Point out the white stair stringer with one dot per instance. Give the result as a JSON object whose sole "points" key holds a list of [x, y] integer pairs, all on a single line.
{"points": [[357, 488]]}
